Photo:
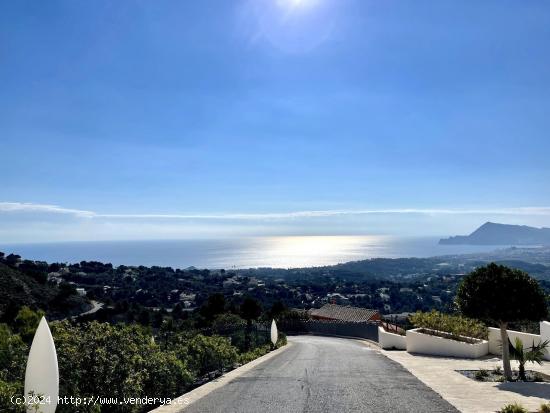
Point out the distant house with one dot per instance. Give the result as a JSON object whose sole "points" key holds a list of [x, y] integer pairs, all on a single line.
{"points": [[344, 313], [55, 277], [187, 297], [230, 282], [336, 297]]}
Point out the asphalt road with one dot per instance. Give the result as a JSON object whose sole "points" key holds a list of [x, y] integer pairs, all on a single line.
{"points": [[324, 374]]}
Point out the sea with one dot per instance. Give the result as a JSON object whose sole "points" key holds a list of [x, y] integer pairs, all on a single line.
{"points": [[236, 253]]}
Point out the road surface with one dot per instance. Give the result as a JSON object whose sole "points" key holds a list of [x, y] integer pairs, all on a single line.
{"points": [[324, 374], [96, 306]]}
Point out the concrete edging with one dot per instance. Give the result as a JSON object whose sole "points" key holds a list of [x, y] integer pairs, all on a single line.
{"points": [[182, 402]]}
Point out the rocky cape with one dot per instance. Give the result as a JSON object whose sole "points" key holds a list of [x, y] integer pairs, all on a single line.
{"points": [[492, 233]]}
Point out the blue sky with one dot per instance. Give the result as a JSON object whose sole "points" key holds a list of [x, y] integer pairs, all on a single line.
{"points": [[262, 107]]}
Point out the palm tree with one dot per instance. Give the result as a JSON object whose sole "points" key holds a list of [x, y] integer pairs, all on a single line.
{"points": [[533, 354]]}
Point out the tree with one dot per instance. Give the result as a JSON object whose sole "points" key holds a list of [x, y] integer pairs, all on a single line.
{"points": [[250, 310], [214, 306], [27, 322], [13, 259], [277, 309], [499, 294]]}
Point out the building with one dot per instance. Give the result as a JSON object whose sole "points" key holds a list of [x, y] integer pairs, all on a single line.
{"points": [[336, 298], [344, 313], [187, 296]]}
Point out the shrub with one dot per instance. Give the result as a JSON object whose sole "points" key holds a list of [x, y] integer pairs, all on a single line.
{"points": [[122, 361], [166, 374], [115, 361], [7, 391], [260, 351], [205, 354], [451, 326], [281, 341], [26, 322], [513, 408], [13, 359], [544, 408], [481, 374], [254, 354], [13, 355]]}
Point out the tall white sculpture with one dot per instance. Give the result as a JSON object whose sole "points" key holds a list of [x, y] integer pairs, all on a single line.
{"points": [[42, 374], [274, 333]]}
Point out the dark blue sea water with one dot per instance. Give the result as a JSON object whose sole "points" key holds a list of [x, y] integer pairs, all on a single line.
{"points": [[281, 251]]}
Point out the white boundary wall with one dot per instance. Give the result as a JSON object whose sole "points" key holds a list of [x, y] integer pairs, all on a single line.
{"points": [[495, 342], [545, 335], [390, 340], [526, 338], [438, 346]]}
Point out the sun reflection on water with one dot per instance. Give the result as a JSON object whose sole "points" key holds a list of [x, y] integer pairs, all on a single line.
{"points": [[306, 251]]}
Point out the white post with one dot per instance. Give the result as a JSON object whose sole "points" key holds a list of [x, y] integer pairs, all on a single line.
{"points": [[42, 374], [274, 333]]}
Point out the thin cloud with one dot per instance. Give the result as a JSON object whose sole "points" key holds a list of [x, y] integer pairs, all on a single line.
{"points": [[29, 207], [7, 207]]}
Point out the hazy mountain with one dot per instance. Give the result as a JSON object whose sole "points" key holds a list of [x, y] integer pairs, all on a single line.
{"points": [[492, 233]]}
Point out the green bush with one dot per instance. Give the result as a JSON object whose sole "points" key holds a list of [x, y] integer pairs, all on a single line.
{"points": [[13, 355], [481, 375], [544, 408], [115, 361], [513, 408], [260, 351], [167, 375], [254, 354], [451, 326], [281, 341], [13, 359], [122, 361], [27, 321], [205, 354], [101, 359], [7, 391]]}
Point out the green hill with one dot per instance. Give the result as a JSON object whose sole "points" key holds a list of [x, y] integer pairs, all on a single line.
{"points": [[19, 289]]}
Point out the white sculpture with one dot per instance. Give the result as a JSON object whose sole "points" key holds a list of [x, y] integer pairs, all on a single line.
{"points": [[274, 333], [42, 374]]}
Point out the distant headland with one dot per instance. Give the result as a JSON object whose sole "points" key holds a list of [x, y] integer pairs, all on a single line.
{"points": [[492, 233]]}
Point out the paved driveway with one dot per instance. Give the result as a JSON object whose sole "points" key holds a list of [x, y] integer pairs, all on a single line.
{"points": [[324, 374]]}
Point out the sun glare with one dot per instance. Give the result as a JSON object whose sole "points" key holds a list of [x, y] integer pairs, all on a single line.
{"points": [[294, 4]]}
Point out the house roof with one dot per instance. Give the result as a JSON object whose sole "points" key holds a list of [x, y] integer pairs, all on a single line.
{"points": [[344, 313]]}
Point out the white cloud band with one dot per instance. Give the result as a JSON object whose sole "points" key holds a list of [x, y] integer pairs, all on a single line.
{"points": [[10, 207]]}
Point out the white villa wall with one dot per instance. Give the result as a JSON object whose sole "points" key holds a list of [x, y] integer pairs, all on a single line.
{"points": [[438, 346], [545, 335], [391, 340], [495, 342]]}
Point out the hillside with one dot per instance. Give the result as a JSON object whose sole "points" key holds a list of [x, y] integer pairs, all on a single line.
{"points": [[19, 289], [502, 234]]}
